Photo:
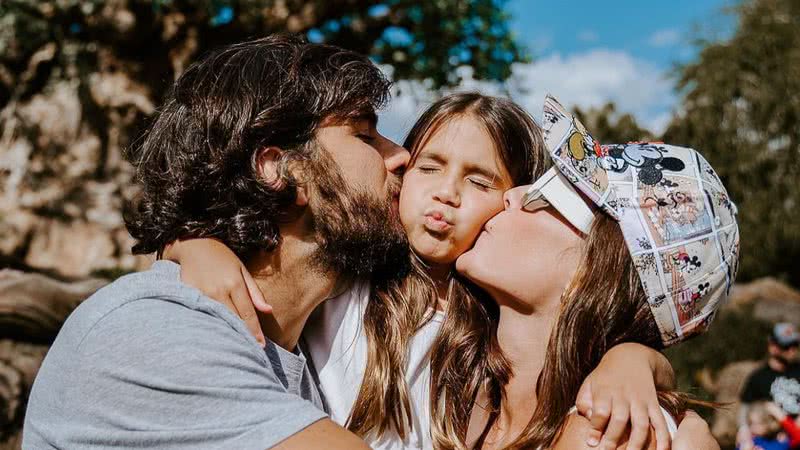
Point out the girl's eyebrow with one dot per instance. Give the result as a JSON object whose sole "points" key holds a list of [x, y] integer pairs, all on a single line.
{"points": [[435, 156]]}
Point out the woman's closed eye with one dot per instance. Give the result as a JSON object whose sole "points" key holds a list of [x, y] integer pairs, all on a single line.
{"points": [[366, 137]]}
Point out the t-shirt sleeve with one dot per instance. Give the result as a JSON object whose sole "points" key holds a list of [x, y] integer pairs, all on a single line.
{"points": [[158, 374]]}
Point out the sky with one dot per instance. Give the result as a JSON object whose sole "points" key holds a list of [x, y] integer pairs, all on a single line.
{"points": [[587, 53]]}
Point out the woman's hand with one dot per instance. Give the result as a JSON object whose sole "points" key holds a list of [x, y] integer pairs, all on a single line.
{"points": [[621, 391], [694, 434], [210, 266]]}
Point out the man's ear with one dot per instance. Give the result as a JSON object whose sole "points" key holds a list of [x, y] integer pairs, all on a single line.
{"points": [[268, 161]]}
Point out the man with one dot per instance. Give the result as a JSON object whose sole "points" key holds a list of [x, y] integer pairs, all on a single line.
{"points": [[778, 380], [270, 147]]}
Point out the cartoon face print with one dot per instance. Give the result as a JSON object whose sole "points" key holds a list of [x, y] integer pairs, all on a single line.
{"points": [[581, 144], [678, 206], [648, 158], [686, 263], [699, 291]]}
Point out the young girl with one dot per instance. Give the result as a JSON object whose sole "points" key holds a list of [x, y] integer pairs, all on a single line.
{"points": [[628, 243], [372, 346]]}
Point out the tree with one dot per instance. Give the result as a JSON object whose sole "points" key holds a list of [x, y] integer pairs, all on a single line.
{"points": [[741, 107], [608, 126], [79, 78]]}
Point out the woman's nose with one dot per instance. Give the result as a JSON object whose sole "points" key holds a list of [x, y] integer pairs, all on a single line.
{"points": [[512, 198]]}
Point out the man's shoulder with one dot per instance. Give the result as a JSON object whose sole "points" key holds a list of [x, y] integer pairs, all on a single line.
{"points": [[149, 303]]}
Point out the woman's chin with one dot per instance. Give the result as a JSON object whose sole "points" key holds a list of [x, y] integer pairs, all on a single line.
{"points": [[465, 265]]}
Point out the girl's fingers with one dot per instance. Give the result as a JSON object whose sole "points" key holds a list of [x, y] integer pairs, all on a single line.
{"points": [[600, 413], [583, 402], [660, 428], [255, 292], [247, 311], [617, 425], [640, 429]]}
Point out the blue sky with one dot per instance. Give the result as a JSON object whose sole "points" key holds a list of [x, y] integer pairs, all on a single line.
{"points": [[588, 53], [656, 31]]}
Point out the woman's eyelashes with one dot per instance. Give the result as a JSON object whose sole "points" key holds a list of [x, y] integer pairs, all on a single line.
{"points": [[366, 137]]}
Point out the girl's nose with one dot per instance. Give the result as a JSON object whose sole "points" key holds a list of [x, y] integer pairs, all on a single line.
{"points": [[512, 198]]}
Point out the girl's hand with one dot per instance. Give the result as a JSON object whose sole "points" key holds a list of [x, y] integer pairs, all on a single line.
{"points": [[210, 266], [622, 391], [694, 434]]}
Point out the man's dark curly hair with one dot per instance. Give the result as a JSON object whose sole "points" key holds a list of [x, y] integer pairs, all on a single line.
{"points": [[196, 162]]}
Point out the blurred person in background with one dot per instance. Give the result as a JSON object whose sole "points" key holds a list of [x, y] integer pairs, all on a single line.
{"points": [[778, 380]]}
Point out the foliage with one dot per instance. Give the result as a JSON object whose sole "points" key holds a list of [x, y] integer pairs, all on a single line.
{"points": [[80, 78], [155, 39], [735, 336], [741, 107], [609, 126]]}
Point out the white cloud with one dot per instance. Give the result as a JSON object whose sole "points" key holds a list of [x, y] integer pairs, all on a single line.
{"points": [[588, 79], [664, 38], [593, 78], [587, 36]]}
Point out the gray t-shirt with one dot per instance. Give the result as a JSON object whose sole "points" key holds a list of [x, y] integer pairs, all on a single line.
{"points": [[149, 362]]}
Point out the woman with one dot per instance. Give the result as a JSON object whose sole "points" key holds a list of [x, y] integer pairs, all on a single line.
{"points": [[633, 243]]}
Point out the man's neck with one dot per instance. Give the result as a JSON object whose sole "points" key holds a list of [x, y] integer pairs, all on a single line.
{"points": [[293, 285], [776, 364], [523, 337]]}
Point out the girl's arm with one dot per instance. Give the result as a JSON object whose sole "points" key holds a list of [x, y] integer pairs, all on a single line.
{"points": [[620, 397], [210, 266]]}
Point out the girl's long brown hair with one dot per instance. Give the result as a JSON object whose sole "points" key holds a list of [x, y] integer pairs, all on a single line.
{"points": [[399, 308]]}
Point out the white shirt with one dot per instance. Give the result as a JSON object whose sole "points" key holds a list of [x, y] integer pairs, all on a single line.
{"points": [[337, 344]]}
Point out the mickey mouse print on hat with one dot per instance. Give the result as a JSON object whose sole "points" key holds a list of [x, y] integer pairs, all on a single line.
{"points": [[677, 218]]}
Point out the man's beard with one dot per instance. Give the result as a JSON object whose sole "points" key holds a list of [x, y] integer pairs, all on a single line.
{"points": [[358, 234]]}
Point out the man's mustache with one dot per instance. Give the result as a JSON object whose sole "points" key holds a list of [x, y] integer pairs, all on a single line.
{"points": [[395, 183]]}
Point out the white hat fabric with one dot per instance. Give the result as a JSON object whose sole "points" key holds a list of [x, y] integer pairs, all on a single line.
{"points": [[677, 218]]}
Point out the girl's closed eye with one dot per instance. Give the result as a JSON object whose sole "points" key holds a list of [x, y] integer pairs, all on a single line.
{"points": [[428, 168], [481, 184]]}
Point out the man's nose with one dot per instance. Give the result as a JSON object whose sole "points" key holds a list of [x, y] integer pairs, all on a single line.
{"points": [[395, 157], [512, 198]]}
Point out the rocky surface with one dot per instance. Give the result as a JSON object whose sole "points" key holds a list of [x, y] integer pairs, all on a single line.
{"points": [[33, 307]]}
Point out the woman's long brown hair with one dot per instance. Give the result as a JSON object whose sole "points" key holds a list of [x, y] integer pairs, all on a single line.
{"points": [[399, 308], [604, 305]]}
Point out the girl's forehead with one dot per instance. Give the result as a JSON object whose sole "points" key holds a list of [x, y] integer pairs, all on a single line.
{"points": [[462, 135]]}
